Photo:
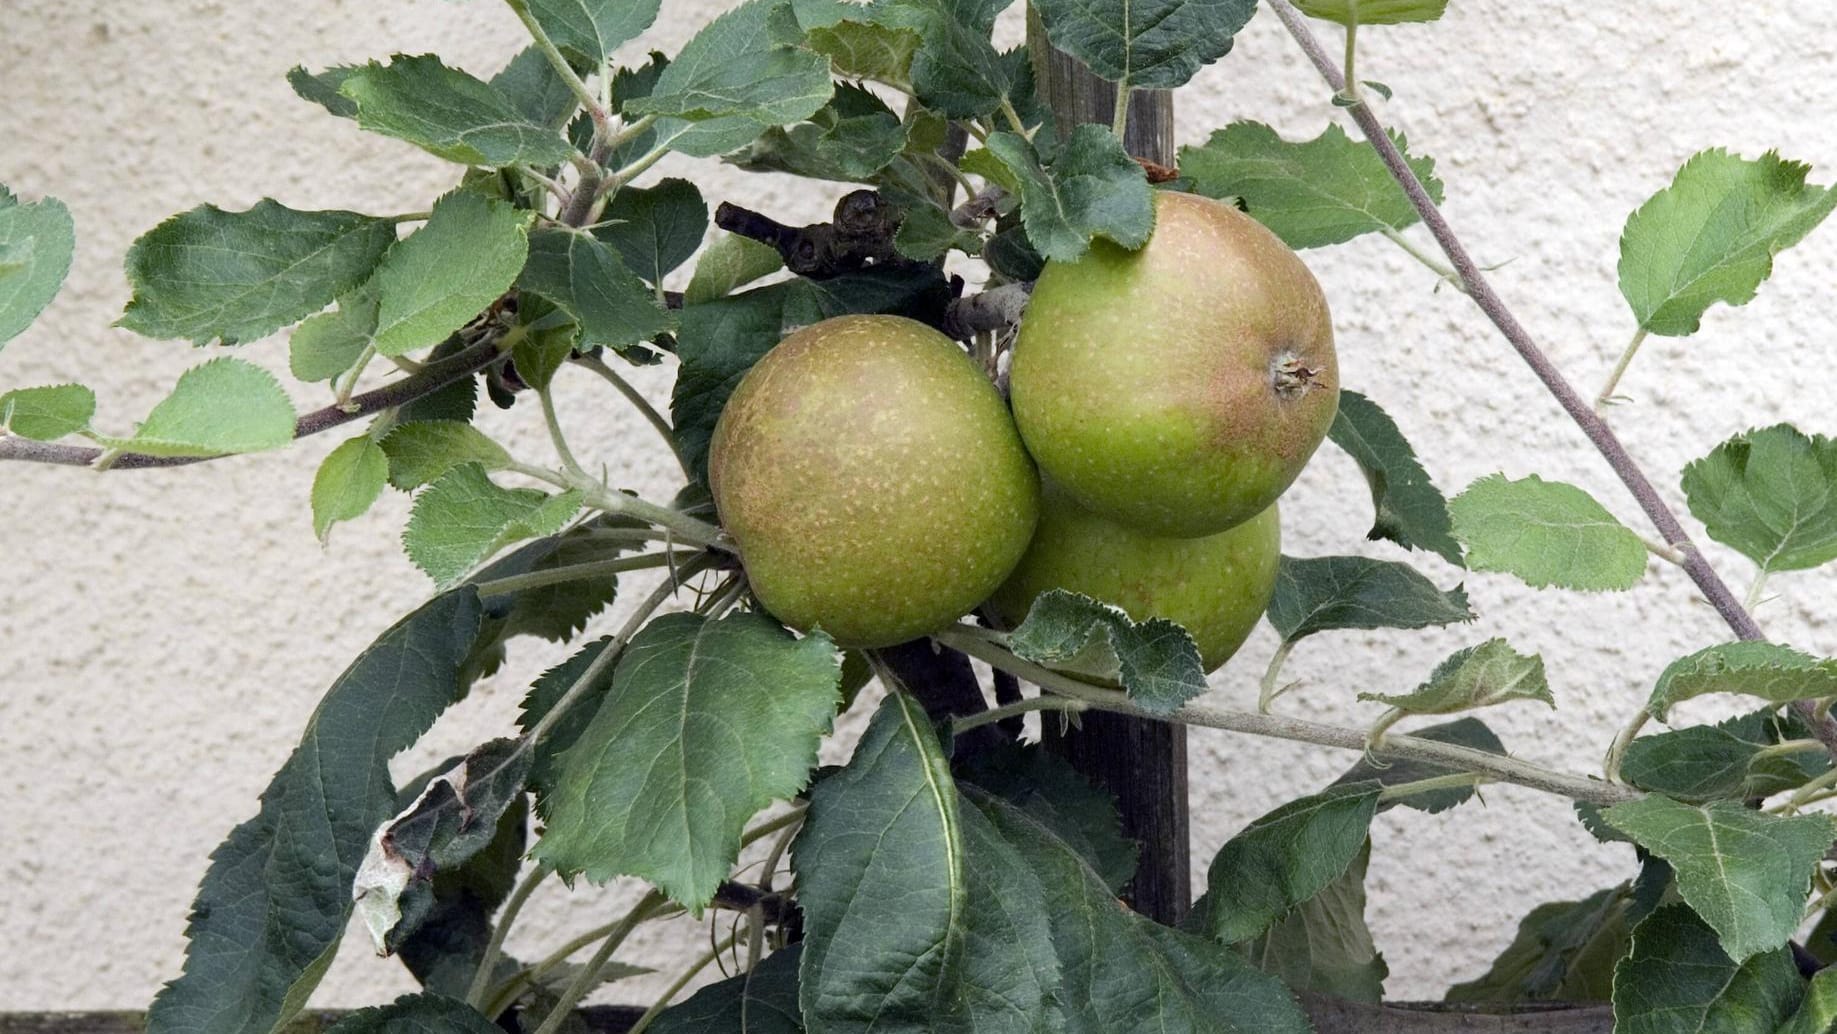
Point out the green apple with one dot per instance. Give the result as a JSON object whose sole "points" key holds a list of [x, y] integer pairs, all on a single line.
{"points": [[1182, 387], [872, 479], [1216, 586]]}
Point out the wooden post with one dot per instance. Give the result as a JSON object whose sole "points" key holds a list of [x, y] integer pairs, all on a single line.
{"points": [[1143, 763]]}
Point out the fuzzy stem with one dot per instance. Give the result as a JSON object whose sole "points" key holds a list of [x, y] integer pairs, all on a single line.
{"points": [[433, 377], [1598, 432], [1401, 747], [1452, 781], [996, 714], [682, 980], [616, 645], [1605, 396], [639, 402], [481, 978], [587, 97], [1267, 690], [583, 572], [589, 976], [686, 528]]}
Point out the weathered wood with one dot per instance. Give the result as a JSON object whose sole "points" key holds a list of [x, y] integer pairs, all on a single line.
{"points": [[1329, 1016], [1334, 1016], [1143, 763], [1077, 97]]}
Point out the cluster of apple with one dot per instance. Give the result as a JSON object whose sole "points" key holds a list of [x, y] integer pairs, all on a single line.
{"points": [[878, 486]]}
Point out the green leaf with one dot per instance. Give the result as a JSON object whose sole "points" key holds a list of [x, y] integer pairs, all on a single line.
{"points": [[1478, 676], [49, 413], [37, 242], [925, 233], [585, 277], [762, 1001], [219, 407], [449, 114], [1285, 858], [1711, 236], [1053, 793], [533, 87], [1374, 12], [655, 229], [419, 453], [329, 344], [1564, 951], [1324, 946], [971, 952], [745, 63], [321, 88], [416, 1014], [463, 518], [593, 29], [1721, 761], [1410, 509], [208, 274], [706, 723], [1319, 594], [348, 481], [1463, 732], [849, 139], [1546, 533], [731, 262], [1092, 189], [1323, 191], [1817, 1012], [863, 50], [277, 896], [1145, 44], [447, 272], [1772, 494], [547, 347], [956, 71], [454, 818], [1745, 872], [1123, 972], [890, 818], [1155, 661], [1774, 673], [1652, 995]]}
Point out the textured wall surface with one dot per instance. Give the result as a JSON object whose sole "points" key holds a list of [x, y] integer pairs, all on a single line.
{"points": [[164, 635]]}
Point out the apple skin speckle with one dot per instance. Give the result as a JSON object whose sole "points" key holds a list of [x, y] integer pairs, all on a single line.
{"points": [[1214, 586], [873, 480], [1180, 388]]}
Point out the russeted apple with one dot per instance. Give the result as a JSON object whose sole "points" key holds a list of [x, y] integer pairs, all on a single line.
{"points": [[872, 479], [1179, 388], [1216, 586]]}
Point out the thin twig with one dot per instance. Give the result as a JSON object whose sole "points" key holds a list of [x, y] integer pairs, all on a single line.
{"points": [[638, 401], [1019, 708], [1399, 747], [433, 377], [589, 976], [1474, 282], [582, 572], [559, 63], [494, 947]]}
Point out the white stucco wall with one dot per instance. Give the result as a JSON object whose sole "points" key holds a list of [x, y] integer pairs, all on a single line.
{"points": [[163, 635]]}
